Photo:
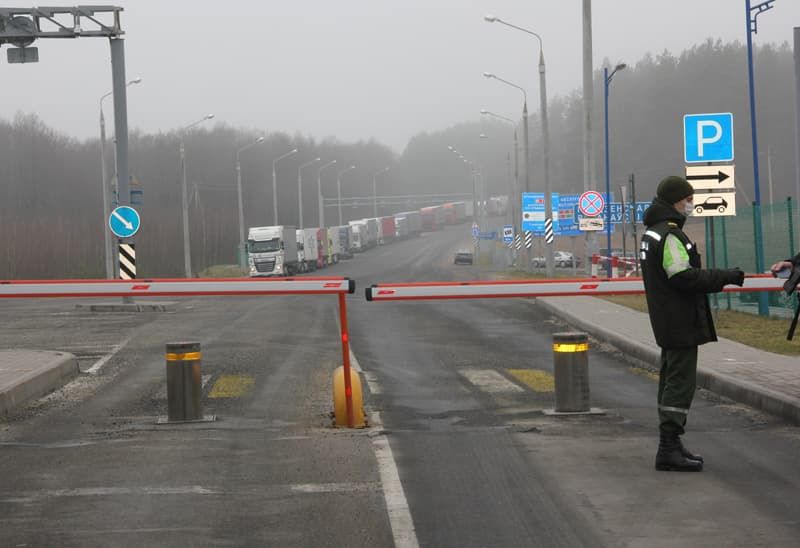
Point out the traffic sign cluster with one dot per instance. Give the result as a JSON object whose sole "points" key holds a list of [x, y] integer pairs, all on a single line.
{"points": [[708, 138]]}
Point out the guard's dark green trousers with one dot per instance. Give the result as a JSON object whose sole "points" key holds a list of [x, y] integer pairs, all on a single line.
{"points": [[677, 381]]}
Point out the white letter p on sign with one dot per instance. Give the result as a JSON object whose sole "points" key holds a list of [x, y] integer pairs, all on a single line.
{"points": [[702, 140]]}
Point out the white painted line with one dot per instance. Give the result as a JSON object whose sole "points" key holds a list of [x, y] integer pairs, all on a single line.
{"points": [[112, 491], [396, 504], [334, 487], [490, 381], [98, 365], [395, 498], [371, 379]]}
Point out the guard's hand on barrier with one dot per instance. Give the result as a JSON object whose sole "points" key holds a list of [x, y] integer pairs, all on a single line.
{"points": [[736, 276], [780, 265]]}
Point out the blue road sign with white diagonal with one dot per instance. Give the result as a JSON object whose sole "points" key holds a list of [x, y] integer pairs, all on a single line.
{"points": [[124, 221], [708, 137]]}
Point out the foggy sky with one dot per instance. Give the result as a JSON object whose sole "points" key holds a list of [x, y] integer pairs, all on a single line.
{"points": [[353, 69]]}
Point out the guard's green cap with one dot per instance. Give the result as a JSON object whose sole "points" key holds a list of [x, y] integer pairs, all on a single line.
{"points": [[674, 189]]}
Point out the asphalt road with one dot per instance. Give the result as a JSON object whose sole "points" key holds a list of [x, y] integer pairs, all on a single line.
{"points": [[460, 388]]}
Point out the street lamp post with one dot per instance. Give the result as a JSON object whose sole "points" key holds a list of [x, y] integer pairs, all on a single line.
{"points": [[471, 165], [525, 145], [752, 28], [300, 189], [339, 189], [242, 255], [187, 256], [606, 83], [319, 193], [375, 191], [275, 185], [109, 252], [548, 202], [513, 182]]}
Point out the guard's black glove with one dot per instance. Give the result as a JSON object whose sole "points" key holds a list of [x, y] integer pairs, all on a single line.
{"points": [[735, 276]]}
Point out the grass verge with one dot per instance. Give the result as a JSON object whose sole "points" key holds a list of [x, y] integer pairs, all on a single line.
{"points": [[763, 333]]}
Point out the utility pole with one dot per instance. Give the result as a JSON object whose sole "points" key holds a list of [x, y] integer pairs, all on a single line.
{"points": [[588, 102]]}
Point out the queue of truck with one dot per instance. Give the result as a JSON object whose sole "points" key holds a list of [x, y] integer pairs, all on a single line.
{"points": [[287, 251]]}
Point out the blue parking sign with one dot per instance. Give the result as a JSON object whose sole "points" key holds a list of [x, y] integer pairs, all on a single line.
{"points": [[708, 137]]}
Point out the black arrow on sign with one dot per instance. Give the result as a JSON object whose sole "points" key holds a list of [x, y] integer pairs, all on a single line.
{"points": [[719, 177]]}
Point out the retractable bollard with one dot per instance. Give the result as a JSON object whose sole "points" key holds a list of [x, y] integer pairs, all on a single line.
{"points": [[184, 382], [571, 372]]}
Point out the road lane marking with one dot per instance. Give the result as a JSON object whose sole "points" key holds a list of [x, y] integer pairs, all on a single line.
{"points": [[403, 532], [536, 379], [111, 491], [231, 386], [490, 381], [98, 365], [334, 487]]}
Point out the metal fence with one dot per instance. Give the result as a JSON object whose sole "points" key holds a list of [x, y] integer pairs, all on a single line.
{"points": [[734, 245]]}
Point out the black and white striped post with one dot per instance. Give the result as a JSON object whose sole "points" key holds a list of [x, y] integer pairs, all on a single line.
{"points": [[127, 261]]}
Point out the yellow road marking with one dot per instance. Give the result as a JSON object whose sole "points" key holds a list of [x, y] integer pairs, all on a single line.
{"points": [[537, 380], [231, 386], [644, 373]]}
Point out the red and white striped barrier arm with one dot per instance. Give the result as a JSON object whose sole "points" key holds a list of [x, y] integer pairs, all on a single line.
{"points": [[178, 287], [536, 288]]}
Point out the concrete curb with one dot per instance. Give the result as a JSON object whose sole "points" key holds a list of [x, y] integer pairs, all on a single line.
{"points": [[756, 396], [43, 372]]}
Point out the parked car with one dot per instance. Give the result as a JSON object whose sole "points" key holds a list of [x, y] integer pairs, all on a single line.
{"points": [[565, 259], [538, 262], [463, 256]]}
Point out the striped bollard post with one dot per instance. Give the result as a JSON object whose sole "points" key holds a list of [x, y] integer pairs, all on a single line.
{"points": [[595, 265]]}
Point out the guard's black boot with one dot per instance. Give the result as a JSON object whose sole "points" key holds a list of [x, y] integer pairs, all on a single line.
{"points": [[670, 457], [688, 454]]}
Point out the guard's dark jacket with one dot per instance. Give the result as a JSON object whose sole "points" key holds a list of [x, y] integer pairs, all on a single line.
{"points": [[678, 306]]}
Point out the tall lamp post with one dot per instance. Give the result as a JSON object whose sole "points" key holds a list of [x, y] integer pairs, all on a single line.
{"points": [[752, 13], [548, 202], [275, 185], [300, 189], [606, 83], [513, 182], [319, 193], [474, 182], [187, 257], [525, 145], [375, 191], [339, 189], [104, 174], [242, 254]]}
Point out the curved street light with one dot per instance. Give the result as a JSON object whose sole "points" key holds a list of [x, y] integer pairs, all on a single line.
{"points": [[548, 204], [339, 189], [300, 188], [513, 182], [187, 256], [375, 190], [606, 83], [109, 252], [319, 193], [242, 254], [275, 185]]}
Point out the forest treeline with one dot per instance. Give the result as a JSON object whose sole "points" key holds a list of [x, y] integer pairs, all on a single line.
{"points": [[51, 222]]}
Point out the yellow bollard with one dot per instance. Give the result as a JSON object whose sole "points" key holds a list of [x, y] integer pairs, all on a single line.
{"points": [[340, 401]]}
